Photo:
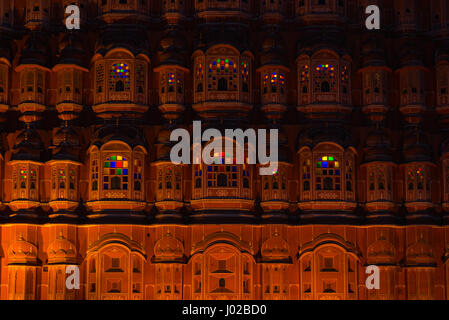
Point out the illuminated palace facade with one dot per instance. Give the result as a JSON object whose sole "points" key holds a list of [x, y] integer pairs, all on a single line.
{"points": [[363, 172]]}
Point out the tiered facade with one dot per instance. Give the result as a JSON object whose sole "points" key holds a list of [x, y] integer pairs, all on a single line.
{"points": [[363, 171]]}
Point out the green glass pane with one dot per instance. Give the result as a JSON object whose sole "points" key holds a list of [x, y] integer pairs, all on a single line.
{"points": [[106, 164], [119, 172], [318, 165], [331, 158], [113, 158]]}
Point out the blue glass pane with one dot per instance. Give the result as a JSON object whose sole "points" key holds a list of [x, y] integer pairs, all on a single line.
{"points": [[324, 164], [125, 171], [135, 175], [209, 168], [125, 186], [112, 164], [105, 186]]}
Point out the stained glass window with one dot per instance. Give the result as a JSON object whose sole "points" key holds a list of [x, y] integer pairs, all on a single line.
{"points": [[99, 77], [115, 173], [72, 179], [410, 179], [328, 167], [420, 178], [120, 77], [61, 178], [140, 73], [33, 177], [94, 175], [23, 173], [198, 175], [223, 75], [304, 75], [245, 76], [306, 171], [23, 177], [325, 79], [168, 178], [222, 175], [344, 73], [199, 77], [348, 175], [137, 174]]}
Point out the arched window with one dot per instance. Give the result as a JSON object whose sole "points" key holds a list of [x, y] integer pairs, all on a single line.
{"points": [[325, 86], [328, 173], [119, 86], [199, 77], [348, 186], [325, 78], [222, 180], [245, 183], [220, 168], [306, 185], [222, 84], [115, 183], [223, 75], [120, 77], [115, 174], [328, 184]]}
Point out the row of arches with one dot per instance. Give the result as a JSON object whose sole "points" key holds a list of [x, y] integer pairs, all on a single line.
{"points": [[221, 266]]}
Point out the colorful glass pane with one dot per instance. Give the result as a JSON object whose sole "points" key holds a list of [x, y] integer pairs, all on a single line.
{"points": [[325, 72], [305, 73], [120, 70]]}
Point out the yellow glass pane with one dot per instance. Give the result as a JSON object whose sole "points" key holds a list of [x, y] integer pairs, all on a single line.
{"points": [[337, 164], [324, 158], [119, 158], [125, 164]]}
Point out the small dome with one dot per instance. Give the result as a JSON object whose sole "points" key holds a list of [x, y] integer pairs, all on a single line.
{"points": [[61, 251], [132, 38], [275, 248], [326, 133], [66, 134], [172, 48], [377, 146], [272, 50], [27, 146], [22, 252], [411, 54], [168, 248], [35, 50], [373, 53], [416, 147], [120, 132], [72, 50]]}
